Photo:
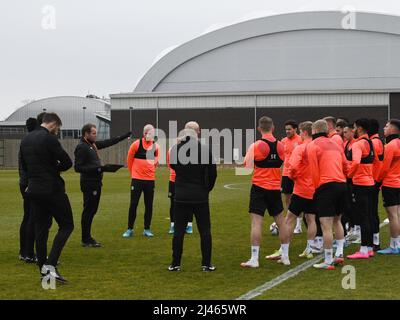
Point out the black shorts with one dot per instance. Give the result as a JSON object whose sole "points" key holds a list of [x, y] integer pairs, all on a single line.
{"points": [[330, 199], [287, 185], [262, 199], [171, 189], [391, 196], [298, 205], [363, 199]]}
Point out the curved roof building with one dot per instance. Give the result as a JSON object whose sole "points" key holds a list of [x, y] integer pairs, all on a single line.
{"points": [[310, 51], [297, 65], [73, 111]]}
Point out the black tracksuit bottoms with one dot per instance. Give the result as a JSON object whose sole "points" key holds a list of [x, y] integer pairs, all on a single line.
{"points": [[183, 213], [137, 187], [91, 200], [364, 199], [375, 209], [26, 230], [171, 195], [349, 216], [44, 207]]}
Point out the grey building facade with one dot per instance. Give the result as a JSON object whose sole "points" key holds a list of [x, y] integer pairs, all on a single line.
{"points": [[300, 66]]}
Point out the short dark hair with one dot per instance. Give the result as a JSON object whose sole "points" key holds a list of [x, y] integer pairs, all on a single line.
{"points": [[87, 128], [349, 125], [395, 122], [52, 117], [39, 118], [291, 123], [373, 127], [341, 124], [363, 123], [31, 124]]}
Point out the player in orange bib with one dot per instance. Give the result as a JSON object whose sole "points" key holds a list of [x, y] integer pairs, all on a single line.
{"points": [[377, 141], [328, 167], [142, 162], [390, 179], [303, 192], [266, 157], [362, 159], [291, 141], [349, 216]]}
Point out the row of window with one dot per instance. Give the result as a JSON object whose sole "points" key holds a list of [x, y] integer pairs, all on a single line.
{"points": [[70, 134], [103, 132], [12, 130]]}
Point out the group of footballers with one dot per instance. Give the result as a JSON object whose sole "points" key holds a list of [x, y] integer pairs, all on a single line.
{"points": [[332, 174]]}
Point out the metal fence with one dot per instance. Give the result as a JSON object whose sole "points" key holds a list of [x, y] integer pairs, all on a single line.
{"points": [[9, 149], [1, 153], [116, 154]]}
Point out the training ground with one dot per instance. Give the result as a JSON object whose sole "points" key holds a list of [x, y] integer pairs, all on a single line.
{"points": [[136, 268]]}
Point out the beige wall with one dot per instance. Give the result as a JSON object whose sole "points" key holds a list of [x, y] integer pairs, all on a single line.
{"points": [[115, 154]]}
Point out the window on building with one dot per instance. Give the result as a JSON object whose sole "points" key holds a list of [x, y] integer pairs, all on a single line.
{"points": [[70, 134]]}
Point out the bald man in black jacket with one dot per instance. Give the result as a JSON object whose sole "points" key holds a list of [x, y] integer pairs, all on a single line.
{"points": [[196, 173], [43, 159]]}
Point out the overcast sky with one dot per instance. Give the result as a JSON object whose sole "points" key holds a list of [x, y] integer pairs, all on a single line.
{"points": [[105, 46]]}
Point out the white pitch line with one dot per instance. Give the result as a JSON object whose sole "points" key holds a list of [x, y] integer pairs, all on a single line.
{"points": [[278, 280], [285, 276], [229, 186]]}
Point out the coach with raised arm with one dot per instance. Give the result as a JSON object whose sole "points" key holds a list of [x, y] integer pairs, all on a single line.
{"points": [[196, 173], [88, 164]]}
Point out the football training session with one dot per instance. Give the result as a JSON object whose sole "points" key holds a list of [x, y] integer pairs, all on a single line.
{"points": [[257, 160]]}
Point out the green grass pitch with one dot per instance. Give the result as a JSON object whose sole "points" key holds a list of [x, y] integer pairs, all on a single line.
{"points": [[136, 268]]}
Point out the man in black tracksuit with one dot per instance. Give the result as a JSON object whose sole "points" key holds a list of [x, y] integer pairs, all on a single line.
{"points": [[88, 164], [26, 230], [196, 173], [43, 158]]}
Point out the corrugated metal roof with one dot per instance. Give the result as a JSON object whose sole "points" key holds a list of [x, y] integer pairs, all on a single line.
{"points": [[69, 108]]}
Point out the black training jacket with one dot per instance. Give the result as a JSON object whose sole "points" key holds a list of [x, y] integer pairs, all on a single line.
{"points": [[88, 164], [23, 176], [43, 158], [194, 178]]}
